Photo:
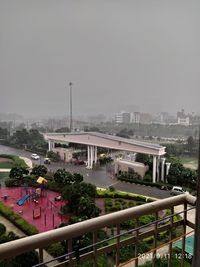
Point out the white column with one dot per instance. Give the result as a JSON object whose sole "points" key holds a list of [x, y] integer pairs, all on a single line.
{"points": [[95, 154], [116, 166], [52, 145], [158, 169], [163, 169], [88, 157], [154, 168], [168, 164], [91, 157], [49, 145]]}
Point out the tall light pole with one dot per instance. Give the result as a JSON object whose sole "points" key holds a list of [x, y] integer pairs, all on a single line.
{"points": [[70, 99]]}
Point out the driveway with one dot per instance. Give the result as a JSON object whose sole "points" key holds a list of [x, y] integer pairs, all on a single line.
{"points": [[100, 177]]}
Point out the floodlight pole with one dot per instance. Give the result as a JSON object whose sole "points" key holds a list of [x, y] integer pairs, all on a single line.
{"points": [[70, 99], [196, 258]]}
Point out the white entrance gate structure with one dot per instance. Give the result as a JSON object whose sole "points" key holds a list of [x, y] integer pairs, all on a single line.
{"points": [[94, 140]]}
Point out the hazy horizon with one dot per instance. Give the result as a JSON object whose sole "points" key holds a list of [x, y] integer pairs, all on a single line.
{"points": [[116, 53]]}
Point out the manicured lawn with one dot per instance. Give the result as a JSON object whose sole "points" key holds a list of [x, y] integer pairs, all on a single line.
{"points": [[189, 162], [3, 177], [6, 165], [188, 159]]}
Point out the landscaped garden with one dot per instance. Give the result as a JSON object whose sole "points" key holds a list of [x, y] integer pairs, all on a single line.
{"points": [[36, 201]]}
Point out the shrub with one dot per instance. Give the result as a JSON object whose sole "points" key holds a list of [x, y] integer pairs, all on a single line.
{"points": [[120, 194], [56, 249], [2, 229], [17, 220], [10, 182], [147, 178], [111, 188]]}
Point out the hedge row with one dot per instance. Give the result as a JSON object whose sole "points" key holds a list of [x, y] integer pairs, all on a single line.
{"points": [[17, 161], [158, 185], [17, 220], [119, 194]]}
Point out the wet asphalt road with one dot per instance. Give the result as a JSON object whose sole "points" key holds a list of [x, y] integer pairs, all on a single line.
{"points": [[99, 176]]}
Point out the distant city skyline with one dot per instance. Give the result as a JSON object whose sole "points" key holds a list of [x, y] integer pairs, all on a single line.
{"points": [[117, 54]]}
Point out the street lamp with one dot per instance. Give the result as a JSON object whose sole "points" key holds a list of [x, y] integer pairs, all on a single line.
{"points": [[70, 99]]}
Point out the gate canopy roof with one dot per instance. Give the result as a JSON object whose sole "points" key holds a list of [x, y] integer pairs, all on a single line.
{"points": [[107, 141]]}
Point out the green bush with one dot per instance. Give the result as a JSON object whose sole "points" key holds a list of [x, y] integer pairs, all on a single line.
{"points": [[17, 220], [56, 249], [142, 182], [130, 224], [11, 182], [147, 178], [120, 194], [2, 229], [143, 220]]}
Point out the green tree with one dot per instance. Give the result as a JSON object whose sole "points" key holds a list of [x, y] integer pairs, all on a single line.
{"points": [[78, 178], [39, 170], [17, 173], [74, 192], [191, 144], [87, 207], [63, 177], [53, 156]]}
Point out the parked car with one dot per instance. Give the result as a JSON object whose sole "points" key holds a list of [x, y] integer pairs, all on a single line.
{"points": [[47, 161], [176, 190], [35, 156]]}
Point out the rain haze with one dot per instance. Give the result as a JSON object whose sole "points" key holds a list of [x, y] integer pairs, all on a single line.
{"points": [[143, 54]]}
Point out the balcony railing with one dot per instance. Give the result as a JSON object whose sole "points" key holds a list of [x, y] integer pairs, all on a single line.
{"points": [[95, 249]]}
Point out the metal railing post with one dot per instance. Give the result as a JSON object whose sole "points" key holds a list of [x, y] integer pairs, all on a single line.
{"points": [[155, 241], [136, 243], [41, 255], [94, 238], [69, 251], [118, 245], [184, 232], [171, 238]]}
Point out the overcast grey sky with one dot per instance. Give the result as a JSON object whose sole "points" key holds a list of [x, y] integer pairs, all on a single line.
{"points": [[116, 52]]}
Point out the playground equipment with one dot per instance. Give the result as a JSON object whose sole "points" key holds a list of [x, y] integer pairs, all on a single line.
{"points": [[57, 198], [37, 215], [5, 197], [23, 200]]}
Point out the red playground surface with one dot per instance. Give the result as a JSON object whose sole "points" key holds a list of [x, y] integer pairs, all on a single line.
{"points": [[41, 211]]}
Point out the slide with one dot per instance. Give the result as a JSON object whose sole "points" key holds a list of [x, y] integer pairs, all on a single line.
{"points": [[22, 200]]}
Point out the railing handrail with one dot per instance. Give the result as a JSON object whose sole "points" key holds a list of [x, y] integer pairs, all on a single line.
{"points": [[42, 240], [116, 236]]}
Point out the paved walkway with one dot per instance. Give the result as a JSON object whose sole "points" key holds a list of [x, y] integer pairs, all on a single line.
{"points": [[5, 170], [28, 162]]}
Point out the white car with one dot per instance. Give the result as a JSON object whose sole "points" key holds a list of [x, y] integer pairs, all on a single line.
{"points": [[176, 190], [35, 156]]}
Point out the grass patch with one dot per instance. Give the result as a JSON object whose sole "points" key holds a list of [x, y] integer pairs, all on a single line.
{"points": [[3, 177], [184, 160], [17, 162], [6, 165]]}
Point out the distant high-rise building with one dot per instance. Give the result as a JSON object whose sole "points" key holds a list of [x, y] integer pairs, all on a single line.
{"points": [[136, 117], [182, 118], [123, 117]]}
